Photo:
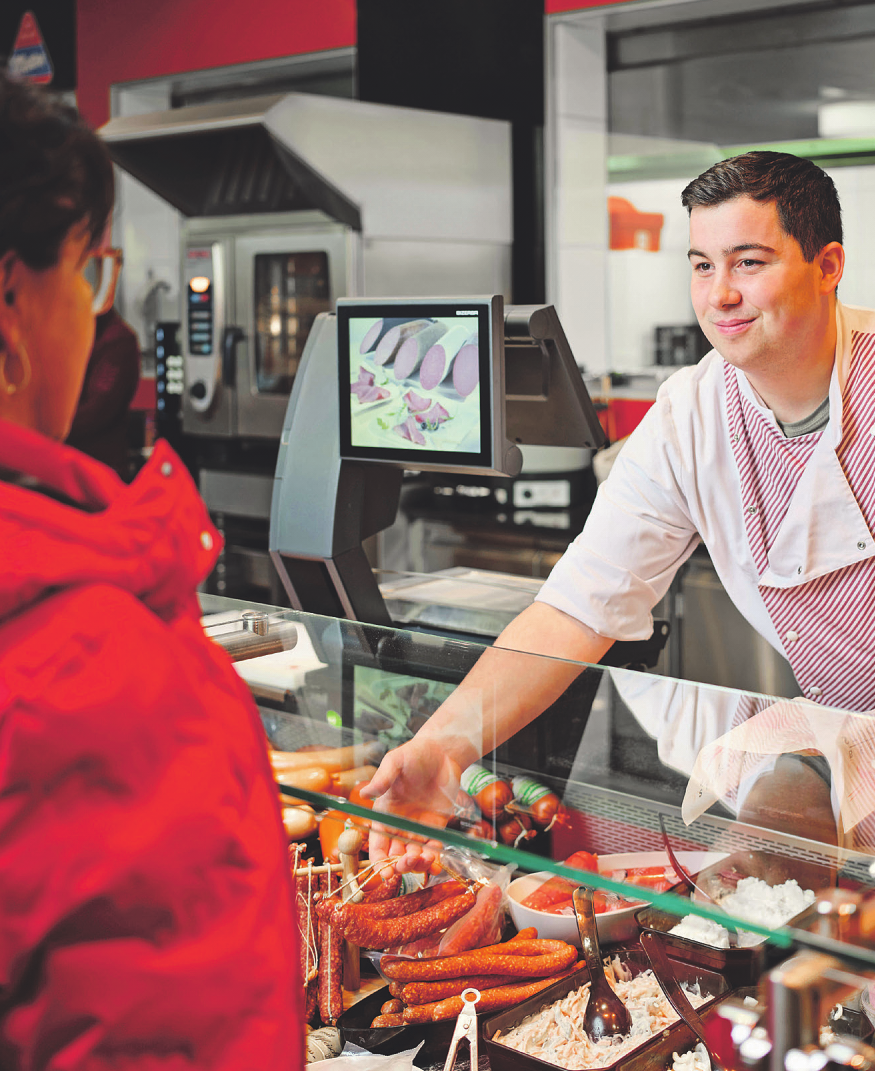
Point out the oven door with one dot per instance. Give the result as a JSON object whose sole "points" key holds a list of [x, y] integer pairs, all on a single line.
{"points": [[282, 282]]}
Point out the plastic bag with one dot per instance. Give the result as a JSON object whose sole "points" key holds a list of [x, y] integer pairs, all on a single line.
{"points": [[483, 924], [371, 1061]]}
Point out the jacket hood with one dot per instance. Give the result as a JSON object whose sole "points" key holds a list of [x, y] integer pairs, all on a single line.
{"points": [[152, 538]]}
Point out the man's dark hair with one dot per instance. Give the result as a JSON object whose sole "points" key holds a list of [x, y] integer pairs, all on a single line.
{"points": [[55, 172], [805, 197]]}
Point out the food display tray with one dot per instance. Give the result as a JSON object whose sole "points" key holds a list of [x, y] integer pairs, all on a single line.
{"points": [[741, 966], [652, 1055]]}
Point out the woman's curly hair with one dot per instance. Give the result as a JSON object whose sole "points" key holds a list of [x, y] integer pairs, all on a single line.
{"points": [[55, 172]]}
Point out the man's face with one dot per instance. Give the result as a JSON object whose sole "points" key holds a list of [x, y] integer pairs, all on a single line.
{"points": [[759, 303]]}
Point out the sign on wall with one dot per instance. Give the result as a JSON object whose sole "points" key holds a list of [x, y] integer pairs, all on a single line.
{"points": [[38, 41], [29, 60]]}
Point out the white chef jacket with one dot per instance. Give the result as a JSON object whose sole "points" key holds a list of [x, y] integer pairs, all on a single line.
{"points": [[675, 483]]}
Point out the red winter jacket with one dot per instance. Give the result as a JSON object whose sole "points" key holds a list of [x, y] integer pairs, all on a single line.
{"points": [[145, 894]]}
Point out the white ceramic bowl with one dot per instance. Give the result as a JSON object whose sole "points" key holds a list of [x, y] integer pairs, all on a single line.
{"points": [[613, 926]]}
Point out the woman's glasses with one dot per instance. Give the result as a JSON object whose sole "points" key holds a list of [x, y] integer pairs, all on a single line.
{"points": [[101, 272]]}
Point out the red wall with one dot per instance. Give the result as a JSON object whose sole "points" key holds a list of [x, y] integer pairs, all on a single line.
{"points": [[553, 7], [122, 42]]}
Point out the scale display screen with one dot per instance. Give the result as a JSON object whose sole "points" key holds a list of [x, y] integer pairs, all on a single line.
{"points": [[417, 383]]}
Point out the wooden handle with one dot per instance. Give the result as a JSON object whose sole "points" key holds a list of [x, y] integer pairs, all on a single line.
{"points": [[349, 845]]}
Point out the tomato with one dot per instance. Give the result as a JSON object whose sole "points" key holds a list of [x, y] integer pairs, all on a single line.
{"points": [[583, 861]]}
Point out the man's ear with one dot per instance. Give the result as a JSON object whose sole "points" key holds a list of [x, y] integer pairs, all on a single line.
{"points": [[10, 281], [832, 263]]}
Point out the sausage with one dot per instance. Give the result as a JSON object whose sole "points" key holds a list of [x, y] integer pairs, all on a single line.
{"points": [[389, 344], [375, 891], [299, 821], [539, 801], [332, 759], [495, 999], [436, 363], [412, 350], [377, 330], [392, 1007], [330, 967], [466, 369], [526, 959], [394, 1019], [391, 909], [305, 889], [387, 933], [473, 930], [513, 828], [429, 992], [311, 778], [343, 782], [488, 790]]}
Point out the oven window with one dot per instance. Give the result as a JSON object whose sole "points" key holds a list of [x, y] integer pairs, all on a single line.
{"points": [[290, 290]]}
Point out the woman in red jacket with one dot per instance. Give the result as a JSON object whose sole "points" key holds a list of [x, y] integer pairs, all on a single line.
{"points": [[145, 896]]}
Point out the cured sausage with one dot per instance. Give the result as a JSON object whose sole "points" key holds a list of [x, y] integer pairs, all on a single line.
{"points": [[392, 1007], [466, 369], [437, 362], [368, 932], [377, 330], [496, 999], [385, 890], [490, 792], [526, 959], [429, 992], [330, 966], [305, 890], [388, 345], [476, 926], [412, 350], [490, 1000], [339, 912], [392, 1019]]}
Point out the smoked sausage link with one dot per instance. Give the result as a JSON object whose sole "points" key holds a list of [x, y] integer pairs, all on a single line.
{"points": [[495, 999], [525, 959], [368, 932], [391, 1019], [338, 913], [429, 992]]}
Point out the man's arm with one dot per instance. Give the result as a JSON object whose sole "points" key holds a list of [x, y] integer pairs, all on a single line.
{"points": [[506, 689]]}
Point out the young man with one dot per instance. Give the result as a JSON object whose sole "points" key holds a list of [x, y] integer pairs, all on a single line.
{"points": [[762, 452]]}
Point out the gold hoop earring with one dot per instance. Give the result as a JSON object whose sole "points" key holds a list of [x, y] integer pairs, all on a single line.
{"points": [[7, 385]]}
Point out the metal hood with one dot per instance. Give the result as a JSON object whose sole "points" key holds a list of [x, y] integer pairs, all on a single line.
{"points": [[224, 159]]}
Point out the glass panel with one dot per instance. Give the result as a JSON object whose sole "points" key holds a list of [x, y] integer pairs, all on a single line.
{"points": [[753, 791], [291, 289]]}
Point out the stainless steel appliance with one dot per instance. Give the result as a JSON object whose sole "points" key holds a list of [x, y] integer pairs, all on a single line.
{"points": [[291, 201], [251, 290]]}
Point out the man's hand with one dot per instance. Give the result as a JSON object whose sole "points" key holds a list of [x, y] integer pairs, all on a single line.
{"points": [[419, 782]]}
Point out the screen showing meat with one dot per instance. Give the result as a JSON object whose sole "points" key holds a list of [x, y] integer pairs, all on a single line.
{"points": [[414, 382]]}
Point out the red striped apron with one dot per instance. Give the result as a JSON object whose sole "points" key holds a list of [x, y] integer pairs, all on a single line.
{"points": [[827, 625]]}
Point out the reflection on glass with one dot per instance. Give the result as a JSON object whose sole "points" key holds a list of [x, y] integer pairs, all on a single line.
{"points": [[291, 289]]}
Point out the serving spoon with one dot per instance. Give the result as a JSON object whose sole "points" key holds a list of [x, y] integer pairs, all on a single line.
{"points": [[674, 991], [687, 879], [605, 1013]]}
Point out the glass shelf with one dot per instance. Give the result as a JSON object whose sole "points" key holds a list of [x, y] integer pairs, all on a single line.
{"points": [[765, 787]]}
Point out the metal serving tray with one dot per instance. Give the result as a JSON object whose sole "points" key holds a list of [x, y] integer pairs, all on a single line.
{"points": [[652, 1055]]}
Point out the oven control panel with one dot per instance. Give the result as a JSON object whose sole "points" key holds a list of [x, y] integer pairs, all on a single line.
{"points": [[203, 280]]}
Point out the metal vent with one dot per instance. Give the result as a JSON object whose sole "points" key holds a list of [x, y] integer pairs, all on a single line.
{"points": [[220, 168]]}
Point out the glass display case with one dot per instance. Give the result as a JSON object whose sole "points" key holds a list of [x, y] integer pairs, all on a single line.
{"points": [[741, 788]]}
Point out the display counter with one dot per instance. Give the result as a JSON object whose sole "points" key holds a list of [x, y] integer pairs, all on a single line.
{"points": [[744, 786]]}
